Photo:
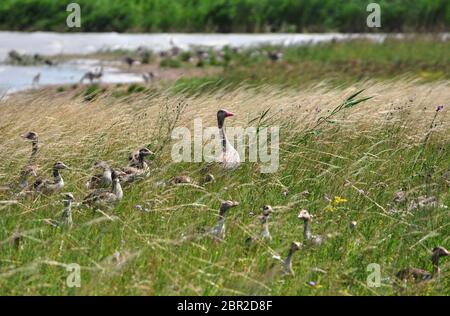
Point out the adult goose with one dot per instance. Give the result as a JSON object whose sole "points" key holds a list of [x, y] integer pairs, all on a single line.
{"points": [[420, 275], [101, 197], [101, 180], [49, 186], [228, 157]]}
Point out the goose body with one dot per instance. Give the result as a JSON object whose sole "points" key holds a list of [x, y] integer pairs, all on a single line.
{"points": [[137, 166], [105, 198], [102, 179], [229, 157], [48, 186]]}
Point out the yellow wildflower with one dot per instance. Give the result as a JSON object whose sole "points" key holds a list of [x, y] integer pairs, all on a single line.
{"points": [[338, 200], [330, 208]]}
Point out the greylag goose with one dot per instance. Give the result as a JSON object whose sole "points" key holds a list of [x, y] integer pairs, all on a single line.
{"points": [[420, 275], [91, 76], [229, 157], [47, 186], [265, 233], [66, 218], [33, 137], [218, 231], [103, 198], [148, 76], [136, 168], [286, 265], [307, 236], [36, 79], [129, 61], [137, 159], [100, 180]]}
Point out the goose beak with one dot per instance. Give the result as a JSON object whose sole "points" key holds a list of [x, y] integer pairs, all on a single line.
{"points": [[229, 114]]}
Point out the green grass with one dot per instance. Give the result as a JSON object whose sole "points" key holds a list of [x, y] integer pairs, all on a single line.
{"points": [[362, 160], [225, 16], [337, 64]]}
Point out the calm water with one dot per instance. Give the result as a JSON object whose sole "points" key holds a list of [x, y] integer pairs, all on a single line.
{"points": [[13, 78]]}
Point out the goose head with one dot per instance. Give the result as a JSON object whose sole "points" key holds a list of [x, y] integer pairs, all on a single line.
{"points": [[304, 215], [33, 136], [101, 165], [295, 246], [68, 197], [267, 210], [59, 166], [221, 115], [226, 205], [143, 152], [440, 252], [30, 170]]}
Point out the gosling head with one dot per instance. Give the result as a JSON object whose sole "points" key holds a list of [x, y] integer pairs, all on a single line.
{"points": [[68, 197], [33, 136], [59, 166], [295, 246], [145, 152], [101, 165], [440, 252], [267, 210], [226, 205], [30, 170], [304, 215]]}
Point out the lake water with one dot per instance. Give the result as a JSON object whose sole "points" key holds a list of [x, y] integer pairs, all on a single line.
{"points": [[13, 78]]}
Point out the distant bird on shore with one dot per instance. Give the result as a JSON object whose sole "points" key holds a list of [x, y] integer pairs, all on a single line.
{"points": [[148, 76], [91, 76], [274, 55], [229, 157], [36, 79], [129, 61], [419, 275]]}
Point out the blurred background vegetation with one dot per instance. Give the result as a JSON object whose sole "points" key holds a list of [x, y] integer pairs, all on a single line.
{"points": [[225, 15]]}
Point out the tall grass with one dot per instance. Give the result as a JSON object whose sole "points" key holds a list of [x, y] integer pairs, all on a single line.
{"points": [[225, 15], [365, 155]]}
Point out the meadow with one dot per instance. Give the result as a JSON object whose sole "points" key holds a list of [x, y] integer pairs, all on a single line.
{"points": [[351, 162]]}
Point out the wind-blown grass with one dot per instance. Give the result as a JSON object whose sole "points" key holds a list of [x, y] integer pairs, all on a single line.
{"points": [[367, 154]]}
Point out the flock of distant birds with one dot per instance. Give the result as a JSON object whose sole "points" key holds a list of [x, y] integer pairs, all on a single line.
{"points": [[137, 168], [201, 55]]}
